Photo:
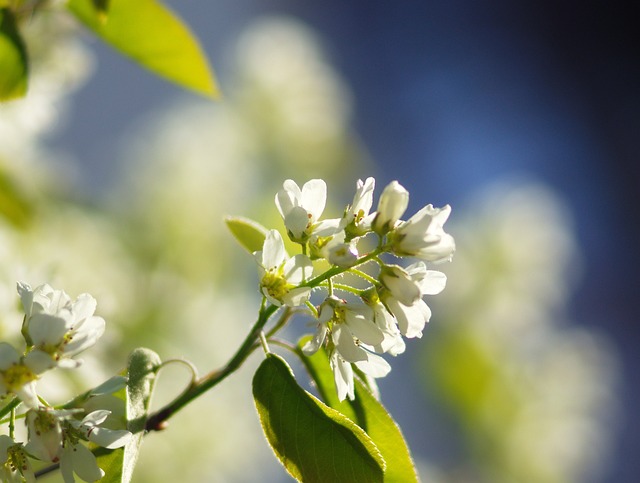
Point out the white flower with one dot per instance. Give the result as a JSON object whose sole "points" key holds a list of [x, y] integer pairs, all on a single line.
{"points": [[77, 458], [301, 210], [423, 235], [18, 374], [280, 275], [334, 249], [15, 465], [391, 206], [357, 220], [393, 342], [398, 295], [45, 434], [350, 330], [58, 326]]}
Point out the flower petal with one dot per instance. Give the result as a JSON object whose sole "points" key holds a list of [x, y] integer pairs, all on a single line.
{"points": [[374, 366], [85, 464], [312, 346], [364, 328], [273, 252], [296, 297], [298, 269], [108, 438], [346, 346], [433, 283], [314, 197], [343, 376], [287, 197], [47, 329], [8, 356]]}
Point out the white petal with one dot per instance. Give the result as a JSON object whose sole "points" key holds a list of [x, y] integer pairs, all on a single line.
{"points": [[5, 443], [273, 253], [364, 328], [296, 222], [95, 417], [83, 307], [47, 329], [271, 300], [433, 283], [374, 366], [346, 346], [298, 269], [86, 335], [45, 435], [66, 464], [108, 438], [400, 284], [8, 356], [26, 296], [85, 464], [296, 296], [328, 227], [316, 342], [363, 199], [287, 197], [314, 197], [411, 319], [39, 361], [343, 377], [28, 395]]}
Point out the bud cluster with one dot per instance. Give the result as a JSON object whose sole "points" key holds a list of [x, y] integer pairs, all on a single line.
{"points": [[55, 329], [375, 318]]}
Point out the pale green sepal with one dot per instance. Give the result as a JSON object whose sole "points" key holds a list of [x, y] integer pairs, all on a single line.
{"points": [[153, 36], [250, 234], [314, 442]]}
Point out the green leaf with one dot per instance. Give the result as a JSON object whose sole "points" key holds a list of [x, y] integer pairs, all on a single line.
{"points": [[13, 58], [250, 234], [314, 442], [369, 414], [118, 464], [153, 36]]}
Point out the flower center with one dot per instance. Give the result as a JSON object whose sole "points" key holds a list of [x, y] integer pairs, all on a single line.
{"points": [[17, 376], [275, 284]]}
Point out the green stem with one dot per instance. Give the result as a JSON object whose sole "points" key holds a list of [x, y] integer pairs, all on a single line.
{"points": [[332, 272], [202, 385], [10, 407]]}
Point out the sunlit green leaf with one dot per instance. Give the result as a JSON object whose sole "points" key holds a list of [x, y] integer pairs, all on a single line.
{"points": [[314, 442], [13, 58], [118, 464], [249, 233], [153, 36], [369, 414]]}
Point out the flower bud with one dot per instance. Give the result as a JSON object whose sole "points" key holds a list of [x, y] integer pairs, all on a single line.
{"points": [[392, 205]]}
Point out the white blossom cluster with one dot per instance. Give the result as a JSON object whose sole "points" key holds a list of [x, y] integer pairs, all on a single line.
{"points": [[390, 307], [55, 329]]}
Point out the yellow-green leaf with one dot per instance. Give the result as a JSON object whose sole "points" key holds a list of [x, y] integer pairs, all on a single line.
{"points": [[250, 234], [368, 413], [153, 36], [13, 58], [314, 442]]}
